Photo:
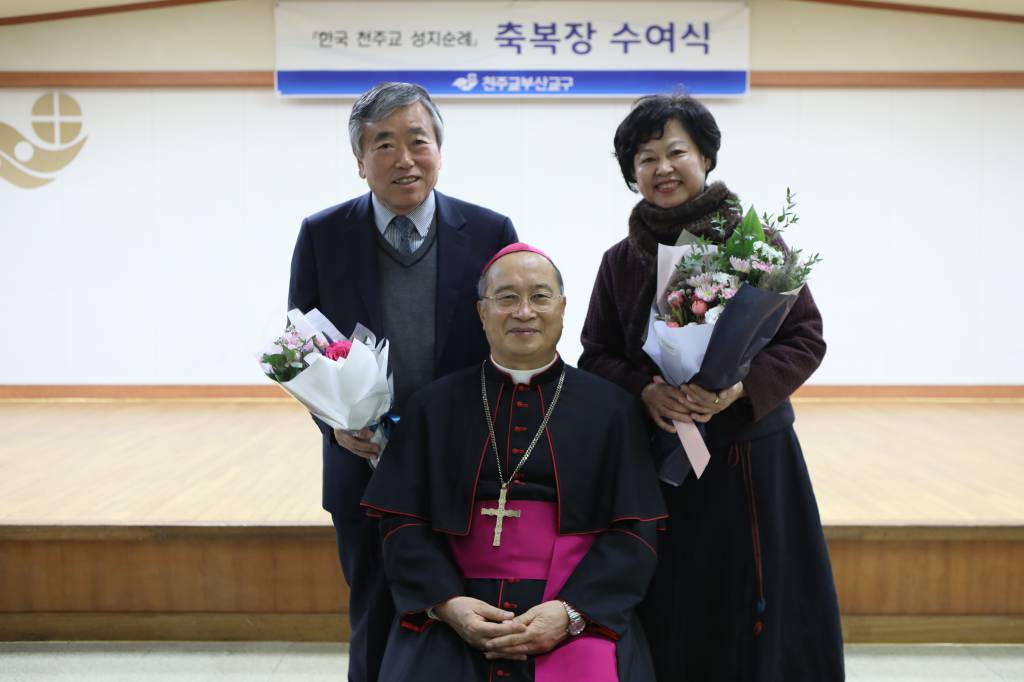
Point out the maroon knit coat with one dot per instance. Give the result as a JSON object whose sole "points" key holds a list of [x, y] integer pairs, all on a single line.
{"points": [[617, 319]]}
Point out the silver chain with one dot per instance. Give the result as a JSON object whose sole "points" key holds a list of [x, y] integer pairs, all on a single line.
{"points": [[536, 436]]}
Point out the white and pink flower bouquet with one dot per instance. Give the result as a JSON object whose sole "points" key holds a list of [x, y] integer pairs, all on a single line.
{"points": [[341, 381], [717, 306]]}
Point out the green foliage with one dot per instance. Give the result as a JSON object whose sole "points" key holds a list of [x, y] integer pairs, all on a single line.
{"points": [[287, 356], [286, 365], [719, 221], [791, 274], [741, 243]]}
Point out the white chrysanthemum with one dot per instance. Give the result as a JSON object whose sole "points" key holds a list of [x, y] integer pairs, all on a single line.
{"points": [[706, 293], [739, 264], [711, 316], [768, 253], [702, 280]]}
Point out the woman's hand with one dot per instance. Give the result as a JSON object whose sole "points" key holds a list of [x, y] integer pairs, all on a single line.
{"points": [[666, 404], [704, 405]]}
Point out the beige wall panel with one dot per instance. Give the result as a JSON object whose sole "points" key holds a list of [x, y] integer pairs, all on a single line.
{"points": [[230, 35], [807, 36], [785, 35]]}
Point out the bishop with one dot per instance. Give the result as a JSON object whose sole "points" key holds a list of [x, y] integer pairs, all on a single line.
{"points": [[519, 506]]}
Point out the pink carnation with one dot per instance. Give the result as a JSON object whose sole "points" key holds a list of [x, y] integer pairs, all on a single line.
{"points": [[338, 349], [698, 307], [675, 298], [672, 324]]}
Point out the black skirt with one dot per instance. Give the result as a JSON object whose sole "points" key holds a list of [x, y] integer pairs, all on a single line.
{"points": [[744, 590]]}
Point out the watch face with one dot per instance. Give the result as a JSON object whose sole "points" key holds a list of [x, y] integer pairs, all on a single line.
{"points": [[576, 626]]}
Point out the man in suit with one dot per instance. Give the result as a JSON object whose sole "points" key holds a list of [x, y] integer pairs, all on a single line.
{"points": [[403, 260]]}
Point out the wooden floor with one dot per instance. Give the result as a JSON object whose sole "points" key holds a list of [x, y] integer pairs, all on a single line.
{"points": [[895, 462]]}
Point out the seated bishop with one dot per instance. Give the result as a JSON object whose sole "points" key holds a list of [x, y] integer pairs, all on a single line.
{"points": [[519, 506]]}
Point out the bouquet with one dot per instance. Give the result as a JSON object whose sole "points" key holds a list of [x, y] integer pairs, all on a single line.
{"points": [[341, 381], [716, 307]]}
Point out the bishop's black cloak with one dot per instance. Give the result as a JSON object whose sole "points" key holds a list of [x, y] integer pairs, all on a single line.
{"points": [[593, 462]]}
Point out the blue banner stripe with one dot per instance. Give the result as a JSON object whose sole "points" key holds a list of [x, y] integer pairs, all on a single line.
{"points": [[517, 83]]}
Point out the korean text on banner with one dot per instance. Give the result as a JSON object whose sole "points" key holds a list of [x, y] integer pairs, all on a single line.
{"points": [[521, 49]]}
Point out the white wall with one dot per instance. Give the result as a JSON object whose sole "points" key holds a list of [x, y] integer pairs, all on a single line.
{"points": [[160, 255]]}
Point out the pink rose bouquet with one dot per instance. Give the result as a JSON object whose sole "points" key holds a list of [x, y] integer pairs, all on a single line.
{"points": [[343, 382]]}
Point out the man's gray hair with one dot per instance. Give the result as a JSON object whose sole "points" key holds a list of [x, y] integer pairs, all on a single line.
{"points": [[381, 101]]}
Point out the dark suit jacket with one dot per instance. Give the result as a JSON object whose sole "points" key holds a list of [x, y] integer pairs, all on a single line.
{"points": [[334, 269]]}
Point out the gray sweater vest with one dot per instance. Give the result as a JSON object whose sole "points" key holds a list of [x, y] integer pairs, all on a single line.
{"points": [[408, 287]]}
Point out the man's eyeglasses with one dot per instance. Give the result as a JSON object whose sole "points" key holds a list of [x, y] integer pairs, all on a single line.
{"points": [[539, 302]]}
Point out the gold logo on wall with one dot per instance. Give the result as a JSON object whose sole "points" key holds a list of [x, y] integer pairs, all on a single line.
{"points": [[57, 123]]}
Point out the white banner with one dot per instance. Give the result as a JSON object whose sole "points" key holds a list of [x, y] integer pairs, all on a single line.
{"points": [[514, 48]]}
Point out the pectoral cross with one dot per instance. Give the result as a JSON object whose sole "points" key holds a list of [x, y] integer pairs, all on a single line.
{"points": [[500, 513]]}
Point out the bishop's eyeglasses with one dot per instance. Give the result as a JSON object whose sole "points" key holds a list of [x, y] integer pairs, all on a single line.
{"points": [[540, 302]]}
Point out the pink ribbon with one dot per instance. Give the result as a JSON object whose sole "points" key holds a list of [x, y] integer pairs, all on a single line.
{"points": [[693, 444]]}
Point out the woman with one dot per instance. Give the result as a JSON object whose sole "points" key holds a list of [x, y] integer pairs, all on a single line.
{"points": [[744, 588]]}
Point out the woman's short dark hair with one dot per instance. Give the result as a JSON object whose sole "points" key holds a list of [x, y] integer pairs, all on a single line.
{"points": [[647, 121]]}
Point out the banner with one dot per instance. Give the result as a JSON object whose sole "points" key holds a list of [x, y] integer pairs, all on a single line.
{"points": [[513, 49]]}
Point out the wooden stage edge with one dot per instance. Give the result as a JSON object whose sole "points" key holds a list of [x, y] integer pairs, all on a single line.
{"points": [[261, 392], [135, 533], [309, 627], [896, 584]]}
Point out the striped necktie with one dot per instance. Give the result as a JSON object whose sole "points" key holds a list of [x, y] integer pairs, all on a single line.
{"points": [[404, 229]]}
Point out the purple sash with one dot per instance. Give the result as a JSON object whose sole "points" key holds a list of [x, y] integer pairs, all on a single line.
{"points": [[532, 549]]}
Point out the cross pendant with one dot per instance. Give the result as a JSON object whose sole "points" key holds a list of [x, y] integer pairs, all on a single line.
{"points": [[500, 513]]}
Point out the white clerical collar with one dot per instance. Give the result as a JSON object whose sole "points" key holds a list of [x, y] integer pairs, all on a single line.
{"points": [[523, 376]]}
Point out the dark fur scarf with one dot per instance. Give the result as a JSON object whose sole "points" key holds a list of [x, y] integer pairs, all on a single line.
{"points": [[649, 226]]}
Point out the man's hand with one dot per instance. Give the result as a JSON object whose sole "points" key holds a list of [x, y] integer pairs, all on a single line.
{"points": [[706, 404], [358, 443], [477, 622], [666, 404], [546, 624]]}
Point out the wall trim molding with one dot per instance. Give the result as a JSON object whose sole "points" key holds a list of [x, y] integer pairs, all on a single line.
{"points": [[887, 79], [94, 11], [758, 79], [137, 79], [925, 392], [921, 9], [128, 392], [272, 392]]}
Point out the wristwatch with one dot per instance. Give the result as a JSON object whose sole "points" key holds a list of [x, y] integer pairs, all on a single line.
{"points": [[577, 623]]}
